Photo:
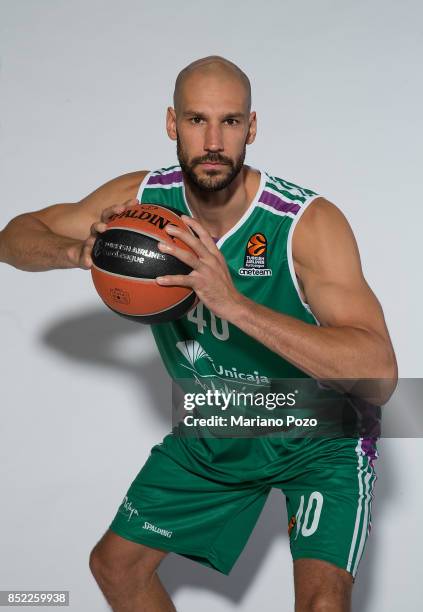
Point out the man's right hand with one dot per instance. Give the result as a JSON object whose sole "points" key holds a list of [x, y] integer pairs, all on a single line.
{"points": [[82, 254]]}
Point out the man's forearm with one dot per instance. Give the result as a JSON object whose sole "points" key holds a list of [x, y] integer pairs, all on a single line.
{"points": [[321, 352], [28, 244]]}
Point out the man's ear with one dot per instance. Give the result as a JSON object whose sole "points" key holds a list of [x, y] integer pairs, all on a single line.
{"points": [[171, 123], [252, 130]]}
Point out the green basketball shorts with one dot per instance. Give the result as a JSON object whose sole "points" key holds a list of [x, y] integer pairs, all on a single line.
{"points": [[201, 498]]}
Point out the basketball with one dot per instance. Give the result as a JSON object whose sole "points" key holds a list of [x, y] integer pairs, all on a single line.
{"points": [[127, 260]]}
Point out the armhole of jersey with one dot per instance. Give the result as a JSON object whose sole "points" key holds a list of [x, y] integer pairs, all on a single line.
{"points": [[289, 253], [142, 185]]}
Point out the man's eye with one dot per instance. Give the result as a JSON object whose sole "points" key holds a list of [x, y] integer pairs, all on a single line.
{"points": [[196, 120], [231, 121]]}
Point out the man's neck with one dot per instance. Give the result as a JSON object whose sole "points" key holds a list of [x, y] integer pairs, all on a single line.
{"points": [[219, 211]]}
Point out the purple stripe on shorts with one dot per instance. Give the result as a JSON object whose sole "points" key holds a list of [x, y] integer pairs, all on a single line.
{"points": [[369, 448], [165, 179], [278, 204]]}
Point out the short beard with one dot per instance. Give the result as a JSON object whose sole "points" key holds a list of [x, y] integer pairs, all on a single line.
{"points": [[209, 183]]}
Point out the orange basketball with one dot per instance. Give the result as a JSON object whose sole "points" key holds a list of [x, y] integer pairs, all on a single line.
{"points": [[127, 260]]}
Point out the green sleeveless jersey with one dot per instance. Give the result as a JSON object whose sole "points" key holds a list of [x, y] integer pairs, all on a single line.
{"points": [[258, 253]]}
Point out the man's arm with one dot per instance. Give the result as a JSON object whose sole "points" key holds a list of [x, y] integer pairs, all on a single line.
{"points": [[352, 341], [62, 235]]}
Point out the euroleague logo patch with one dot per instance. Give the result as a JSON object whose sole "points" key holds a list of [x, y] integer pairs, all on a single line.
{"points": [[255, 259], [257, 245]]}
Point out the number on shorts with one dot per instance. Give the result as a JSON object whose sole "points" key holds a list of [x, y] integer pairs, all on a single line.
{"points": [[305, 528]]}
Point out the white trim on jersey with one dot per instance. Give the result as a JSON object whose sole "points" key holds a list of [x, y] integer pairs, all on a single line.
{"points": [[160, 186], [142, 185], [169, 170], [294, 199], [240, 222], [273, 210], [289, 252]]}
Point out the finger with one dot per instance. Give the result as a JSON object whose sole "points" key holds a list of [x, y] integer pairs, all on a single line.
{"points": [[86, 260], [185, 256], [202, 233], [98, 228], [90, 241], [180, 280], [85, 257], [189, 239]]}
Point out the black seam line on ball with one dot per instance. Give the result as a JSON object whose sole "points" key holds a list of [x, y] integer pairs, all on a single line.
{"points": [[135, 231], [158, 319], [133, 278], [151, 314], [177, 212]]}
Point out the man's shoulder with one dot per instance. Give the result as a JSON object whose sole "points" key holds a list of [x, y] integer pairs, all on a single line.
{"points": [[321, 224], [124, 184], [313, 207], [322, 214], [130, 181], [118, 189]]}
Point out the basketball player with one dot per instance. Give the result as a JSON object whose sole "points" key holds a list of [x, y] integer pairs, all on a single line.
{"points": [[273, 303]]}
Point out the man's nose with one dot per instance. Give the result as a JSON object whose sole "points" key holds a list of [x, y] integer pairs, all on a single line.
{"points": [[213, 138]]}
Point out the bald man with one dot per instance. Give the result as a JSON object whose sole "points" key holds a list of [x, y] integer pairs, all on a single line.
{"points": [[272, 304]]}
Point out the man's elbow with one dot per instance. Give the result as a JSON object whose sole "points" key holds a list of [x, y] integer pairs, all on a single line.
{"points": [[388, 377]]}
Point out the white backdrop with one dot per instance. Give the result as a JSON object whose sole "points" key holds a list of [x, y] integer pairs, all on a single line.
{"points": [[84, 88]]}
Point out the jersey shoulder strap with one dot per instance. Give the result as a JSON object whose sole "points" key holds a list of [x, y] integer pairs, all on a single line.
{"points": [[163, 186]]}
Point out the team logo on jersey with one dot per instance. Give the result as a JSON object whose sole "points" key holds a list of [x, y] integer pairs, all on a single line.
{"points": [[128, 509], [203, 368], [257, 245], [255, 258]]}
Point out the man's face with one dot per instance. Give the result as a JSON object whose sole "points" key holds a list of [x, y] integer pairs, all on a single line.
{"points": [[212, 126], [212, 171]]}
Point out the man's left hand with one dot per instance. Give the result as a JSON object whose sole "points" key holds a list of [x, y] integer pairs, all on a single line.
{"points": [[210, 277]]}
